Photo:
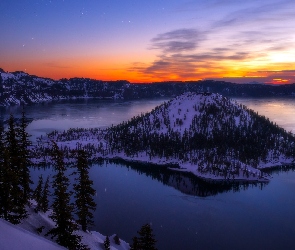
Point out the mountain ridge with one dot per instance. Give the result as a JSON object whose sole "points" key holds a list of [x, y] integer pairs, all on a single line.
{"points": [[21, 88]]}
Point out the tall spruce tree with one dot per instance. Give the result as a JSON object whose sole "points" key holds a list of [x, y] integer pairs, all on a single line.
{"points": [[62, 208], [24, 157], [38, 192], [146, 241], [83, 191], [4, 178], [14, 194], [107, 243], [135, 244], [44, 203]]}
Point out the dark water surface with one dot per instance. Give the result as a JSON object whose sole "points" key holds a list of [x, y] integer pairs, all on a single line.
{"points": [[185, 212]]}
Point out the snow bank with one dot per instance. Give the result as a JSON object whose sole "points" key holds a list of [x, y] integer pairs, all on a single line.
{"points": [[26, 236], [13, 237]]}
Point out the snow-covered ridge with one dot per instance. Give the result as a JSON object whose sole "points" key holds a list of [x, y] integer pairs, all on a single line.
{"points": [[26, 235], [206, 134], [22, 88]]}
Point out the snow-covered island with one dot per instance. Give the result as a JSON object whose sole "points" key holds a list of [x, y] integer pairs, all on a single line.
{"points": [[206, 134]]}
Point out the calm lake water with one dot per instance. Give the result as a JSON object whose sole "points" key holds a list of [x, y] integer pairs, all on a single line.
{"points": [[185, 212]]}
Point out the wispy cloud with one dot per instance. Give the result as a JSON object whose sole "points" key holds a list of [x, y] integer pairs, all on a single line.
{"points": [[292, 71], [181, 40], [181, 55], [241, 40], [261, 11]]}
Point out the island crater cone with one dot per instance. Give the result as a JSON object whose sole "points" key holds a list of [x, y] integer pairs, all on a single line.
{"points": [[206, 134]]}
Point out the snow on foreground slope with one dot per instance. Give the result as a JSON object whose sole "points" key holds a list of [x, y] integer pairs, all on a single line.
{"points": [[206, 134], [13, 237], [25, 237]]}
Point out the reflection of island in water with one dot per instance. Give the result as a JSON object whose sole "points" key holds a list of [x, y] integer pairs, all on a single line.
{"points": [[188, 183], [280, 169]]}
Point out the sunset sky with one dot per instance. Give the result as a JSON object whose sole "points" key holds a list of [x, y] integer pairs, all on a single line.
{"points": [[152, 40]]}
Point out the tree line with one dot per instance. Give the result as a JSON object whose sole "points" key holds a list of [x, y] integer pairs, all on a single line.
{"points": [[16, 194]]}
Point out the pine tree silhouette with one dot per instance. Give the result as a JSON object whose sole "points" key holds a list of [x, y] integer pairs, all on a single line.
{"points": [[117, 239], [24, 157], [4, 177], [83, 191], [44, 203], [107, 243], [146, 241], [62, 209], [14, 201], [135, 244], [38, 192]]}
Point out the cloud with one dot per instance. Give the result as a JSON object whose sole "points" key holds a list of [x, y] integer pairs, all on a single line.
{"points": [[181, 55], [273, 13], [190, 65], [234, 43], [292, 71], [181, 40]]}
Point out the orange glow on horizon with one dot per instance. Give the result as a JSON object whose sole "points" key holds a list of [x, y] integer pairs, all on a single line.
{"points": [[109, 69]]}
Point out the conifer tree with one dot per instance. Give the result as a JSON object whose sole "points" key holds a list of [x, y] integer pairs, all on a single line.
{"points": [[146, 240], [37, 193], [4, 178], [107, 243], [83, 191], [15, 203], [62, 209], [117, 239], [44, 197], [24, 157], [135, 244]]}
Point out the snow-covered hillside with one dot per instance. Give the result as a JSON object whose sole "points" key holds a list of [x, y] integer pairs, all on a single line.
{"points": [[206, 134], [21, 88], [25, 236], [14, 237]]}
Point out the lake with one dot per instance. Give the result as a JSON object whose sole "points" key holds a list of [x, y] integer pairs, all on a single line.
{"points": [[185, 212]]}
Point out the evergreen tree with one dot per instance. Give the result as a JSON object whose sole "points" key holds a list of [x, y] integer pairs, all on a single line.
{"points": [[62, 209], [24, 157], [14, 194], [4, 178], [83, 191], [135, 244], [146, 240], [107, 243], [44, 197], [37, 193], [117, 239]]}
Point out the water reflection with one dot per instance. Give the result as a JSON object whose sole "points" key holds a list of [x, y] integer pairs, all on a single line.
{"points": [[187, 183], [280, 169]]}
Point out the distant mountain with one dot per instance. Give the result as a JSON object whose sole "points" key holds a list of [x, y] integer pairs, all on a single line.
{"points": [[21, 88], [206, 134]]}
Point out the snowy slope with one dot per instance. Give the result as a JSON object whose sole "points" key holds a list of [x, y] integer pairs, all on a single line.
{"points": [[21, 88], [13, 237], [25, 236]]}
